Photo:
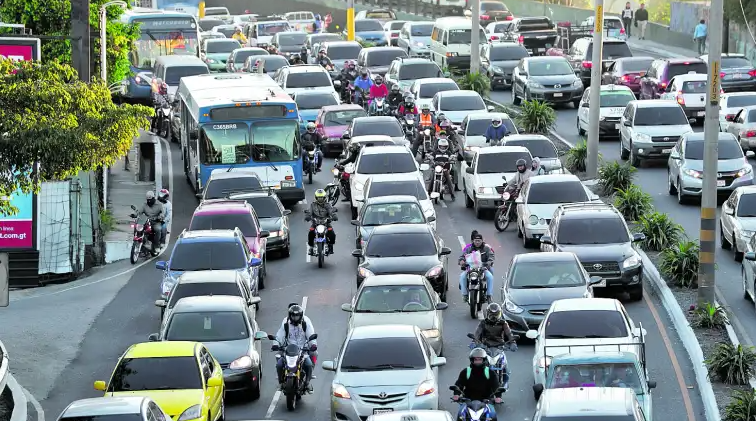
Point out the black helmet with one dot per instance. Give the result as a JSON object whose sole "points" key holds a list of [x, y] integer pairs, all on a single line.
{"points": [[493, 312], [296, 313], [521, 163], [478, 353], [363, 73], [354, 147]]}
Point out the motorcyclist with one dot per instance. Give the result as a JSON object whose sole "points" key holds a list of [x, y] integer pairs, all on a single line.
{"points": [[522, 175], [323, 59], [155, 212], [493, 332], [352, 153], [477, 381], [487, 257], [496, 131], [408, 106], [296, 328], [163, 196], [296, 60], [321, 209], [272, 50], [395, 97], [160, 100], [378, 90], [348, 73], [313, 141], [239, 36], [536, 168], [362, 83], [424, 121], [442, 156]]}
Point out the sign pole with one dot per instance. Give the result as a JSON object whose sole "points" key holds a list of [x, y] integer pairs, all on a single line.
{"points": [[594, 110], [350, 20], [475, 38]]}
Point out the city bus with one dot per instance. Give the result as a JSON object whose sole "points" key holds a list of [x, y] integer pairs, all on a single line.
{"points": [[162, 33], [241, 122]]}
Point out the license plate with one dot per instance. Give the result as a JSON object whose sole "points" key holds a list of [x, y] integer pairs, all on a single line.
{"points": [[720, 183], [667, 151], [288, 184], [616, 126], [382, 410], [738, 76], [557, 95], [541, 37], [601, 284], [701, 114], [541, 50]]}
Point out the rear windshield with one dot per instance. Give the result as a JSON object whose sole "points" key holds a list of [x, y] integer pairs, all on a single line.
{"points": [[535, 24], [367, 26], [241, 56], [419, 71], [677, 69], [585, 324], [493, 163], [574, 231], [219, 189], [733, 62], [221, 46], [612, 24], [344, 52], [382, 128], [611, 50], [292, 39], [541, 148], [393, 163], [157, 373], [401, 245], [566, 192], [202, 289], [502, 27], [270, 29], [174, 74], [225, 221], [501, 53], [380, 15], [271, 64], [741, 101], [227, 31], [395, 26], [614, 417], [728, 149], [265, 207], [478, 127], [342, 118], [381, 354], [307, 80], [747, 206], [208, 255], [384, 57], [401, 188], [751, 116], [422, 30], [660, 116], [428, 90], [637, 65], [315, 102], [493, 7], [463, 103], [211, 326], [550, 67], [694, 87]]}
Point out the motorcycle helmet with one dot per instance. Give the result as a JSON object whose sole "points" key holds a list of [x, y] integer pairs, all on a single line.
{"points": [[163, 88], [296, 314], [350, 65], [311, 127], [496, 122], [320, 196], [426, 108], [444, 124], [363, 73], [521, 165], [163, 195], [478, 357], [395, 89], [378, 80], [150, 198], [322, 52], [442, 144], [493, 312]]}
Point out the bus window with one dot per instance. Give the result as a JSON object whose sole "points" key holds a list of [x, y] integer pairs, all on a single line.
{"points": [[275, 141], [225, 143]]}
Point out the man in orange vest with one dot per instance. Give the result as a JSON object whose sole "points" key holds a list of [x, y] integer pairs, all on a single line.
{"points": [[425, 120]]}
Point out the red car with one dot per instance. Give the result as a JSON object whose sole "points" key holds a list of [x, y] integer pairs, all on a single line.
{"points": [[331, 122], [222, 214], [627, 71]]}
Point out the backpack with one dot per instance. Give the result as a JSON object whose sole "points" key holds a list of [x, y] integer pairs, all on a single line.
{"points": [[469, 370], [304, 329]]}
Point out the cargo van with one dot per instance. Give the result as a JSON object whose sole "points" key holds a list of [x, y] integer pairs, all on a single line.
{"points": [[450, 43]]}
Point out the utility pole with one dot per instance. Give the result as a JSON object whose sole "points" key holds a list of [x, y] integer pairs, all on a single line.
{"points": [[708, 235], [475, 38], [350, 20], [594, 110], [80, 43], [201, 10]]}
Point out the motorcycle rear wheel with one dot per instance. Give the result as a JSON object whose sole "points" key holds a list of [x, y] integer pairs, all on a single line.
{"points": [[333, 193], [473, 299], [501, 220], [136, 249], [309, 176], [321, 255]]}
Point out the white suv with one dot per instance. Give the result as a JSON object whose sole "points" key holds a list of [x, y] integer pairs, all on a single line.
{"points": [[649, 129], [305, 78]]}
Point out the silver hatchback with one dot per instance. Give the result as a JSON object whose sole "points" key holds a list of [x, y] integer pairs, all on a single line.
{"points": [[383, 368]]}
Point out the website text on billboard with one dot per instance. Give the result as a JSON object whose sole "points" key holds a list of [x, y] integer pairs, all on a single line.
{"points": [[17, 231], [184, 6]]}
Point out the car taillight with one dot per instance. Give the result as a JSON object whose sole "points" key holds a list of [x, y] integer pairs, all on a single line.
{"points": [[587, 64], [345, 176], [626, 79], [394, 35], [722, 75], [521, 39], [662, 85], [484, 17], [494, 37], [750, 133], [510, 17], [752, 73], [622, 30], [680, 99]]}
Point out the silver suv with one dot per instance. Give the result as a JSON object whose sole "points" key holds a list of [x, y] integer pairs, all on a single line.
{"points": [[649, 129]]}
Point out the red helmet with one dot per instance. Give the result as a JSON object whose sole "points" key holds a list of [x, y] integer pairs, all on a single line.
{"points": [[163, 88]]}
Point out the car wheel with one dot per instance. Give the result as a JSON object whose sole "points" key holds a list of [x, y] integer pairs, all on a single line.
{"points": [[223, 410], [624, 153], [515, 99], [580, 131], [681, 199], [286, 252], [261, 278], [738, 255], [478, 210], [723, 239], [634, 159], [671, 189], [636, 292], [746, 295], [255, 393]]}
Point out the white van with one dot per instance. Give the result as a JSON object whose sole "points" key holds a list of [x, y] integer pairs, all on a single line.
{"points": [[450, 43]]}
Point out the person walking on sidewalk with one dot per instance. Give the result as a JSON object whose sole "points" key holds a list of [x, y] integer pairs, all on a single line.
{"points": [[699, 36], [627, 17], [641, 20]]}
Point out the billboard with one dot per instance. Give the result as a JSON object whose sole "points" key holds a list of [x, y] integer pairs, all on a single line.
{"points": [[21, 48]]}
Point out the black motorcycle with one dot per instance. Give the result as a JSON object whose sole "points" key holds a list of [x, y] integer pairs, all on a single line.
{"points": [[506, 212], [409, 126], [470, 410], [476, 288], [442, 166], [339, 185], [311, 163], [321, 227], [294, 375]]}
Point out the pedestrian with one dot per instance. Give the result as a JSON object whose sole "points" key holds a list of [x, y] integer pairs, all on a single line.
{"points": [[699, 36], [641, 20], [627, 18]]}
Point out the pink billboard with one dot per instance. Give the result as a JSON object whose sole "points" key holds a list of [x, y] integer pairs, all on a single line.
{"points": [[20, 48]]}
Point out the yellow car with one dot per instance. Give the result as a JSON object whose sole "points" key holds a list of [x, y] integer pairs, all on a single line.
{"points": [[182, 377]]}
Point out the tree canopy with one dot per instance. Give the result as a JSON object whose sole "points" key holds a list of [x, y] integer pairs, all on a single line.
{"points": [[734, 12], [53, 17], [48, 116]]}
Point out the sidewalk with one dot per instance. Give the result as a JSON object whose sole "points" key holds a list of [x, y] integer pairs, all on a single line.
{"points": [[661, 49]]}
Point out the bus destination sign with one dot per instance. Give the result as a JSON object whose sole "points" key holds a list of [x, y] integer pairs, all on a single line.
{"points": [[166, 23]]}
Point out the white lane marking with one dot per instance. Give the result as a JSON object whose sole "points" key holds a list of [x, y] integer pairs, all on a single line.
{"points": [[123, 272], [35, 403], [462, 242], [307, 254], [277, 395]]}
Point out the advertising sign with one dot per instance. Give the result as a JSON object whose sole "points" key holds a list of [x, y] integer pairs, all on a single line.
{"points": [[21, 48], [17, 231]]}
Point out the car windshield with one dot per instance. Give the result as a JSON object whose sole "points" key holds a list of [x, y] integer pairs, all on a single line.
{"points": [[228, 31], [623, 375], [728, 149], [741, 101], [574, 231], [265, 207], [545, 274], [393, 299], [393, 163], [401, 245], [507, 52], [342, 118], [402, 188], [419, 71], [502, 162], [368, 26], [271, 64], [585, 324], [109, 417], [694, 87], [734, 62], [344, 52], [501, 28], [428, 90], [216, 326], [221, 188], [225, 221], [616, 99], [541, 148], [161, 373], [242, 55], [548, 193], [462, 103], [307, 80], [209, 24], [174, 74], [611, 50], [219, 46], [747, 206], [421, 30], [289, 40], [549, 67], [377, 354], [201, 289], [660, 116], [385, 128], [677, 69], [315, 101], [464, 36], [384, 57], [208, 255], [636, 65], [392, 213], [478, 127]]}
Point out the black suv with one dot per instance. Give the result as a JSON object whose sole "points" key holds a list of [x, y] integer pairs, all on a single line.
{"points": [[598, 235], [581, 56]]}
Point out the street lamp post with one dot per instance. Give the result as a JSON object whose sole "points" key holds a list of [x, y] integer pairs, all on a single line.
{"points": [[104, 75]]}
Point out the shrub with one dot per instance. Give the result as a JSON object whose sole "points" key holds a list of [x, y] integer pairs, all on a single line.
{"points": [[660, 231], [107, 220], [477, 82], [742, 406], [615, 176], [536, 117], [710, 317], [365, 44], [732, 364], [632, 202], [577, 157], [679, 264]]}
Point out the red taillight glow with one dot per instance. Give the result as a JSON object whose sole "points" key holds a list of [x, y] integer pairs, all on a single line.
{"points": [[722, 75], [394, 35], [587, 64], [627, 79], [680, 99], [484, 17], [494, 37], [662, 85], [509, 18], [752, 73], [687, 62], [750, 133], [622, 30], [521, 39]]}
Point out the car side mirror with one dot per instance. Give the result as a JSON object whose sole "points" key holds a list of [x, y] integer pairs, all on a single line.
{"points": [[329, 365], [264, 234], [215, 382], [490, 108], [355, 222], [652, 384], [730, 211], [442, 306], [546, 240], [750, 256], [626, 123], [524, 74], [154, 337], [438, 361], [431, 218], [260, 335], [638, 236], [346, 135], [161, 303], [445, 251], [254, 300], [674, 155], [160, 265], [255, 262], [639, 331], [595, 280], [585, 105], [750, 154], [100, 385], [469, 170], [287, 212], [357, 253], [538, 389], [346, 307], [461, 132], [531, 334]]}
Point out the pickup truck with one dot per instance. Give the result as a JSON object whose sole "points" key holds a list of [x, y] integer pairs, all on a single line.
{"points": [[536, 34]]}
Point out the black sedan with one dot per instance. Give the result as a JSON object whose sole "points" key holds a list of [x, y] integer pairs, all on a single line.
{"points": [[535, 280], [412, 249], [388, 210], [273, 218]]}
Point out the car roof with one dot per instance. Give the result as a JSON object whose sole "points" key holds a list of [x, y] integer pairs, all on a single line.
{"points": [[544, 58], [587, 211], [291, 32], [585, 304], [239, 173], [488, 116], [250, 49], [553, 178], [653, 103], [209, 277], [402, 279], [218, 40], [381, 200], [461, 92], [385, 149], [613, 87], [340, 44], [402, 229], [253, 194], [425, 80], [314, 93], [595, 357], [208, 236], [374, 119], [554, 256], [414, 60], [751, 189], [383, 331], [372, 138], [306, 68], [341, 107], [697, 77], [732, 94], [526, 136], [369, 19], [413, 415], [161, 349], [180, 60], [502, 149], [579, 400], [216, 206], [218, 303], [371, 49], [105, 406], [683, 60], [394, 178]]}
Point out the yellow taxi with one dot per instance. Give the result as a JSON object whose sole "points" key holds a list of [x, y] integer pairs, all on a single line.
{"points": [[182, 377]]}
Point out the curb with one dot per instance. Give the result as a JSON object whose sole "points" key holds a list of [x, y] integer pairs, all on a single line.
{"points": [[735, 341], [20, 411], [4, 361], [687, 337]]}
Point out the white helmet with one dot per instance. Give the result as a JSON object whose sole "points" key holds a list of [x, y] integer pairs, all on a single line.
{"points": [[311, 127], [442, 144]]}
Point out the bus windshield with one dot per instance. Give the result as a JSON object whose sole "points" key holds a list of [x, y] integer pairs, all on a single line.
{"points": [[153, 44], [275, 141], [224, 143]]}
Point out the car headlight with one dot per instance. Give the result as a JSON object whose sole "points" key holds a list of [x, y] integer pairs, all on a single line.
{"points": [[486, 190], [747, 234], [434, 271], [744, 171], [339, 391], [241, 362], [419, 44], [166, 286], [497, 69], [642, 137], [274, 234], [693, 173], [211, 61], [535, 85], [512, 307], [364, 273], [577, 83], [192, 413], [631, 262], [534, 220], [544, 362], [426, 388], [431, 333]]}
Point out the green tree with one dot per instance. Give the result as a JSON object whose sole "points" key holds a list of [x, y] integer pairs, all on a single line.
{"points": [[48, 116], [734, 12], [53, 17]]}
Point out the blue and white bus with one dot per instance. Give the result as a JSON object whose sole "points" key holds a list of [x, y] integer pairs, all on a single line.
{"points": [[162, 33], [241, 121]]}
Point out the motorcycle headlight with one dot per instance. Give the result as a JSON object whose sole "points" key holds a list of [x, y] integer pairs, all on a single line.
{"points": [[292, 361], [476, 415], [631, 262], [192, 413], [335, 172], [427, 132], [512, 307], [364, 272], [506, 195], [241, 362], [320, 229], [438, 169], [473, 276]]}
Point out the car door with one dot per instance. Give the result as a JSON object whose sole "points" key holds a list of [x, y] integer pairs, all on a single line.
{"points": [[485, 58], [583, 109], [749, 268], [676, 160], [671, 91], [727, 217], [627, 118], [736, 126], [214, 394]]}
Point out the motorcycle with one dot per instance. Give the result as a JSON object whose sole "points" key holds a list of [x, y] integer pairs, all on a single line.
{"points": [[427, 142], [442, 165], [476, 283], [409, 126], [340, 184], [311, 164], [294, 375], [364, 99], [379, 109], [142, 234], [505, 213], [470, 410], [321, 241], [164, 116], [497, 359]]}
